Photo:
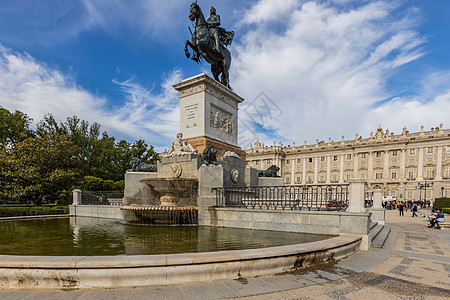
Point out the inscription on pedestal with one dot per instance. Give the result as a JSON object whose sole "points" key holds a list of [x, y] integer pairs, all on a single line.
{"points": [[191, 115]]}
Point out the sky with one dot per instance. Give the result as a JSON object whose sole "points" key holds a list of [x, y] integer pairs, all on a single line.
{"points": [[307, 70]]}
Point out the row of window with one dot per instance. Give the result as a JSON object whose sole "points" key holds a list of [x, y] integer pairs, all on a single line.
{"points": [[378, 154], [411, 174]]}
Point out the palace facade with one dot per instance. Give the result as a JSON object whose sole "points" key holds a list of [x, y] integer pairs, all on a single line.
{"points": [[407, 166]]}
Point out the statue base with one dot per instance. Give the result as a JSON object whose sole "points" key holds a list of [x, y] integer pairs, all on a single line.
{"points": [[201, 143]]}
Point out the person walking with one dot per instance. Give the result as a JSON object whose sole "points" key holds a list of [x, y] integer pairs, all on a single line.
{"points": [[401, 208], [414, 210]]}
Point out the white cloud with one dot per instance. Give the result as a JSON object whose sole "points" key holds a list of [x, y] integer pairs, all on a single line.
{"points": [[326, 67], [35, 89], [268, 10]]}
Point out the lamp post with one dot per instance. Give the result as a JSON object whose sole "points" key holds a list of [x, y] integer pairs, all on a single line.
{"points": [[424, 186]]}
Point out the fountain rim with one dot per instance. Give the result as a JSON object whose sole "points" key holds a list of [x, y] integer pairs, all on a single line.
{"points": [[169, 179], [152, 270]]}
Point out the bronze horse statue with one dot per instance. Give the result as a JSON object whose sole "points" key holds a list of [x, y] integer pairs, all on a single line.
{"points": [[203, 47]]}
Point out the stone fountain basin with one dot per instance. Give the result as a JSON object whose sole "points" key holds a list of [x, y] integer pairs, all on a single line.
{"points": [[170, 185]]}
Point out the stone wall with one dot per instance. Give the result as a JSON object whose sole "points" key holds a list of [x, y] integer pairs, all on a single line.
{"points": [[318, 222], [96, 211]]}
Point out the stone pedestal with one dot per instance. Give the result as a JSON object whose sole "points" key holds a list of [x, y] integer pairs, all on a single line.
{"points": [[209, 115], [209, 177], [270, 181], [356, 196]]}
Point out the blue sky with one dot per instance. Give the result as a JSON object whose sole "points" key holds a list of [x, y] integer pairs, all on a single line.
{"points": [[327, 68]]}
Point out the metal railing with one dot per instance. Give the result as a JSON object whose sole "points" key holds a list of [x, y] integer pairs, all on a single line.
{"points": [[293, 197], [100, 197]]}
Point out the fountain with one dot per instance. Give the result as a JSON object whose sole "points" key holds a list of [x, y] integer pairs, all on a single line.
{"points": [[169, 190], [168, 212]]}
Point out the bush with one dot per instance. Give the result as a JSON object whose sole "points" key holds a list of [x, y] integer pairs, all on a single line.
{"points": [[440, 203], [446, 210], [91, 183], [16, 211]]}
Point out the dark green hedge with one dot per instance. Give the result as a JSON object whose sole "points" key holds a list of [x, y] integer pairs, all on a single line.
{"points": [[440, 203], [15, 211], [446, 210]]}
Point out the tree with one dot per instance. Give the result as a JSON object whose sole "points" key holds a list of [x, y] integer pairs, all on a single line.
{"points": [[38, 168], [14, 127]]}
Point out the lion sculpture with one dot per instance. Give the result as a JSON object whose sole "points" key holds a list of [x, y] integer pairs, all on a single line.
{"points": [[270, 172], [209, 156], [139, 166]]}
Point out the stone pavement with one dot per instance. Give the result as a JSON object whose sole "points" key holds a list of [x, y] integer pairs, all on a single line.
{"points": [[413, 264]]}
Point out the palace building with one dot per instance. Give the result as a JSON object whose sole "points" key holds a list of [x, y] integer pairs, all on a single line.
{"points": [[407, 166]]}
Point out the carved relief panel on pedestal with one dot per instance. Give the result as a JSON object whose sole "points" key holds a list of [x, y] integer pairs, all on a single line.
{"points": [[221, 120]]}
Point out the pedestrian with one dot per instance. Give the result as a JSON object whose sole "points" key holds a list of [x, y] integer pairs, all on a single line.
{"points": [[414, 210], [401, 208]]}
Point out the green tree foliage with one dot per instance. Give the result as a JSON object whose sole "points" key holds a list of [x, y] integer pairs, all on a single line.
{"points": [[60, 156], [38, 168], [14, 127]]}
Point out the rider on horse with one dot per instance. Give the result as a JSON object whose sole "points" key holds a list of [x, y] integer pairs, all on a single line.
{"points": [[220, 35]]}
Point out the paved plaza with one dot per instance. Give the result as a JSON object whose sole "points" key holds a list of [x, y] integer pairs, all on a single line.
{"points": [[413, 264]]}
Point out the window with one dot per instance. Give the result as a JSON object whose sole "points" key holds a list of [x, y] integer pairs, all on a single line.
{"points": [[348, 176], [334, 178], [412, 151], [409, 194], [269, 161], [411, 174], [378, 175], [349, 156], [447, 172], [288, 180], [287, 161], [378, 155], [322, 158], [362, 175], [363, 155], [310, 179], [394, 153], [335, 157], [447, 149], [310, 160], [257, 162], [430, 150], [394, 175], [298, 179], [322, 179], [430, 172], [299, 160]]}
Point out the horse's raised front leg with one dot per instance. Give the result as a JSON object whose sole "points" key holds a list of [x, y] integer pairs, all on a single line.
{"points": [[186, 44]]}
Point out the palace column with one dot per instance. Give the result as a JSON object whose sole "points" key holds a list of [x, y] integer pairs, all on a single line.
{"points": [[292, 171], [341, 168], [370, 167], [402, 164], [355, 165], [328, 169], [304, 171], [316, 169], [386, 165], [420, 165], [439, 163]]}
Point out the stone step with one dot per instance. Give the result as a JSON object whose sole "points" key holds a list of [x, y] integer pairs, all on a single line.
{"points": [[379, 241], [373, 224], [375, 231]]}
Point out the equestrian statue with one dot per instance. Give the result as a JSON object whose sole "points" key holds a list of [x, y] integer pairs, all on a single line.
{"points": [[209, 41]]}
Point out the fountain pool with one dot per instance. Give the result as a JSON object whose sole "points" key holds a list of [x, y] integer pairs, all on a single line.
{"points": [[77, 236]]}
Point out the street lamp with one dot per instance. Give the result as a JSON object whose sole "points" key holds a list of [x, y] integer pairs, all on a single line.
{"points": [[424, 186]]}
